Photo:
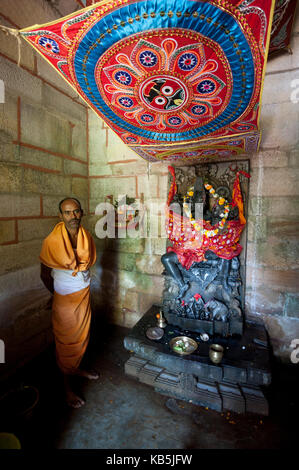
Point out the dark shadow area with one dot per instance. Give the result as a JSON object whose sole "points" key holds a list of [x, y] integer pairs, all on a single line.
{"points": [[121, 412]]}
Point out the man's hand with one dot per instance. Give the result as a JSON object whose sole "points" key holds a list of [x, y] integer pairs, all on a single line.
{"points": [[45, 275]]}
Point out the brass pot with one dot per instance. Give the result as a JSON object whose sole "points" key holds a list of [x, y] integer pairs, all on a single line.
{"points": [[216, 353]]}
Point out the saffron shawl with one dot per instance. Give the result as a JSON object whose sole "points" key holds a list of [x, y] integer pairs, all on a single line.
{"points": [[57, 251]]}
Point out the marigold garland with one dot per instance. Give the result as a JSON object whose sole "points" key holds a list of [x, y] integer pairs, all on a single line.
{"points": [[221, 201]]}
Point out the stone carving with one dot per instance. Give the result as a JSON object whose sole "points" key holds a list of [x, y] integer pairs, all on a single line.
{"points": [[208, 292]]}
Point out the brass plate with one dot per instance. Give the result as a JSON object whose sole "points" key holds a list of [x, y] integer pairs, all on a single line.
{"points": [[154, 333], [189, 344]]}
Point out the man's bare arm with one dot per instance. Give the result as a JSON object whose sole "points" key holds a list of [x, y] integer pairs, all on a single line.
{"points": [[45, 275]]}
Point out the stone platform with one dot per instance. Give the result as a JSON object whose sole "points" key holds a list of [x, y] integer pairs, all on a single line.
{"points": [[235, 384]]}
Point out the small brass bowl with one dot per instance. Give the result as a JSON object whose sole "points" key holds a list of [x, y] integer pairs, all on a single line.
{"points": [[189, 345], [216, 353]]}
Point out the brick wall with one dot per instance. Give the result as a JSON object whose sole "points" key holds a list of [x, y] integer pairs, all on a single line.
{"points": [[272, 259], [127, 278], [43, 158]]}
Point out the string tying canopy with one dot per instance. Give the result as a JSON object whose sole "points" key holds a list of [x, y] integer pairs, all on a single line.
{"points": [[17, 35]]}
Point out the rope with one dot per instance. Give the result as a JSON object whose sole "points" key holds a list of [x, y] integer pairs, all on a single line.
{"points": [[17, 35]]}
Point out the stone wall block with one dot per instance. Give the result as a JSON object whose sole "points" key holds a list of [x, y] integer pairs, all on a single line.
{"points": [[284, 227], [125, 245], [7, 231], [148, 284], [280, 181], [279, 131], [79, 142], [294, 156], [40, 159], [20, 82], [270, 158], [264, 300], [117, 260], [163, 186], [259, 205], [46, 183], [10, 178], [9, 47], [21, 280], [61, 105], [20, 255], [102, 187], [50, 204], [35, 229], [22, 15], [291, 306], [48, 73], [7, 148], [278, 81], [281, 206], [131, 168], [146, 301], [155, 246], [8, 113], [51, 132], [257, 228], [117, 149], [131, 301], [150, 264], [72, 167], [15, 205], [80, 188], [275, 253], [148, 185], [89, 222], [278, 280]]}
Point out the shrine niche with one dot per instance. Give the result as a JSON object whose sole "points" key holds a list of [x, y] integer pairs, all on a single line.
{"points": [[202, 262], [198, 345], [176, 82]]}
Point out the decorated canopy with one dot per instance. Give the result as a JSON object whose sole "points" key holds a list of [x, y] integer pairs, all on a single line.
{"points": [[174, 80], [283, 19]]}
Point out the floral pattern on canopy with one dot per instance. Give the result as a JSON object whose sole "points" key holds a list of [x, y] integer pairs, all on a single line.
{"points": [[175, 81]]}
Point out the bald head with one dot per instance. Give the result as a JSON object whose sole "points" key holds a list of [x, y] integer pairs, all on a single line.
{"points": [[68, 199]]}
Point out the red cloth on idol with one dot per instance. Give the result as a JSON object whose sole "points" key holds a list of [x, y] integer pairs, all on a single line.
{"points": [[190, 245]]}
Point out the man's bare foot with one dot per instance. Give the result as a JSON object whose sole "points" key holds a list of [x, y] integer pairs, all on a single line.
{"points": [[91, 375], [73, 400]]}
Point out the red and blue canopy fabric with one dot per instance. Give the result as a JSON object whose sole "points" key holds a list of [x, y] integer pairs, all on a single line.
{"points": [[283, 18], [174, 80]]}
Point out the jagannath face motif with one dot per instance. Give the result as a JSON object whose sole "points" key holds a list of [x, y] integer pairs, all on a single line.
{"points": [[163, 94], [163, 84]]}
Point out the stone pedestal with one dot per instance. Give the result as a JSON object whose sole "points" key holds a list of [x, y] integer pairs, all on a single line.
{"points": [[235, 384]]}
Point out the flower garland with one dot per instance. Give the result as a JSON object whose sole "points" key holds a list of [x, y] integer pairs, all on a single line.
{"points": [[221, 201]]}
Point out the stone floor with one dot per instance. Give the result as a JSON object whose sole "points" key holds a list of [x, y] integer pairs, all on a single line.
{"points": [[121, 413]]}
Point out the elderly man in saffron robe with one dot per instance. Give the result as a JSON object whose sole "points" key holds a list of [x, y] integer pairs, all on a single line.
{"points": [[66, 256]]}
